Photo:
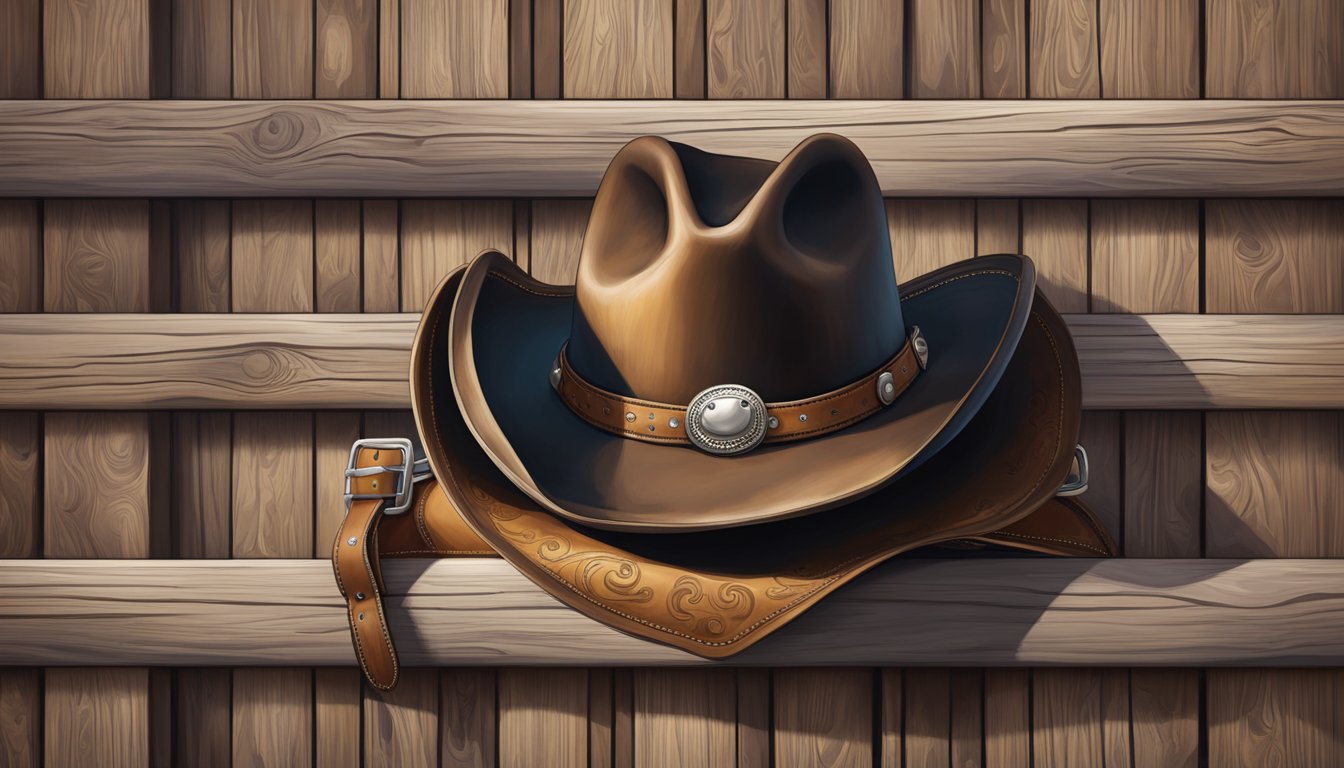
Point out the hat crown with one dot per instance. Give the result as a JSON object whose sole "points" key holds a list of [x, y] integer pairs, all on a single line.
{"points": [[699, 270]]}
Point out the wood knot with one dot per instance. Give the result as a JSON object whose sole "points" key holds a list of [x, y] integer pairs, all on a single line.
{"points": [[278, 132]]}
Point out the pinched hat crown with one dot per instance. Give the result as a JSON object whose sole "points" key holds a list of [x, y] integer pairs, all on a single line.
{"points": [[700, 270]]}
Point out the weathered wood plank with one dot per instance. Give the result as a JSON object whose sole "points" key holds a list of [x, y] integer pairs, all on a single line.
{"points": [[202, 65], [1275, 50], [1150, 49], [1064, 61], [685, 717], [96, 484], [1007, 717], [96, 50], [203, 714], [744, 46], [20, 500], [928, 718], [1275, 716], [617, 49], [272, 264], [1003, 53], [545, 148], [1163, 483], [1164, 714], [809, 22], [273, 485], [272, 49], [20, 256], [347, 49], [337, 238], [997, 612], [398, 724], [273, 717], [21, 49], [1274, 256], [438, 235], [97, 716], [359, 361], [867, 44], [1055, 236], [543, 717], [336, 717], [21, 717], [1145, 256], [823, 717], [454, 50], [468, 719], [96, 256], [753, 718], [204, 243], [944, 49]]}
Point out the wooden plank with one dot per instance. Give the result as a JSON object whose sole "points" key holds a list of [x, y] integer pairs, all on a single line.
{"points": [[96, 256], [389, 49], [1064, 61], [273, 485], [400, 725], [21, 50], [1145, 256], [928, 718], [1007, 718], [95, 50], [21, 717], [454, 50], [469, 720], [96, 716], [967, 735], [272, 262], [333, 435], [547, 48], [202, 51], [359, 361], [1274, 256], [272, 49], [1055, 236], [753, 718], [20, 489], [347, 49], [944, 49], [1101, 435], [1274, 717], [382, 261], [96, 482], [744, 48], [546, 149], [1067, 717], [543, 717], [203, 712], [1275, 50], [891, 717], [689, 50], [1275, 484], [204, 245], [928, 234], [1163, 483], [618, 49], [337, 231], [601, 718], [1003, 49], [809, 23], [685, 717], [557, 237], [202, 470], [336, 717], [20, 256], [998, 226], [437, 235], [991, 612], [1150, 49], [867, 49], [1116, 731], [1164, 709], [823, 717], [273, 717], [520, 49]]}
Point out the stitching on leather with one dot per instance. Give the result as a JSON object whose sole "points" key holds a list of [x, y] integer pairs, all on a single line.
{"points": [[941, 283], [445, 552], [1029, 537]]}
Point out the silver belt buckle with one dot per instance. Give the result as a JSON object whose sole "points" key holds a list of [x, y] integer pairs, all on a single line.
{"points": [[409, 471], [1076, 483]]}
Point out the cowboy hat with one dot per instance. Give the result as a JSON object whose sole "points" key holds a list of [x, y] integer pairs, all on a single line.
{"points": [[736, 350]]}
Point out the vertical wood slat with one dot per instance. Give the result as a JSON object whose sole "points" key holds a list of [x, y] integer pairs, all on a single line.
{"points": [[744, 49], [1067, 717], [20, 256], [928, 718], [689, 49], [20, 489], [96, 256], [685, 717], [96, 50], [272, 256], [1275, 716], [202, 65], [601, 718], [1003, 52], [273, 717], [548, 48], [867, 49], [520, 49], [347, 49], [203, 254], [556, 239], [1279, 50], [944, 49], [753, 718], [21, 717], [437, 235], [273, 484], [1164, 714], [381, 269], [96, 716], [543, 717], [1055, 236], [336, 717], [1150, 49], [389, 49], [20, 49], [203, 729], [272, 49], [468, 720], [928, 234], [1145, 256], [808, 47], [1063, 47], [1007, 712], [891, 718], [337, 235], [399, 725], [823, 717], [1274, 256], [618, 49], [454, 50]]}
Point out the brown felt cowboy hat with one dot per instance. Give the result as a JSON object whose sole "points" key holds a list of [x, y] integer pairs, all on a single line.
{"points": [[736, 350]]}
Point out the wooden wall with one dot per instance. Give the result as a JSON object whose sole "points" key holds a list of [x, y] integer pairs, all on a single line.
{"points": [[262, 485]]}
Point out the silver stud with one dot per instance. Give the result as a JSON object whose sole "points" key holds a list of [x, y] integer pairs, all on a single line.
{"points": [[745, 404], [352, 541], [555, 379], [630, 416], [361, 615], [921, 347], [886, 388], [709, 407], [802, 417], [359, 595], [774, 423], [650, 416], [674, 422], [652, 428]]}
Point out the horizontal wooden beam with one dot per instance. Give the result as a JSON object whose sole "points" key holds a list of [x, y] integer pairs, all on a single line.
{"points": [[58, 361], [1002, 611], [1095, 148]]}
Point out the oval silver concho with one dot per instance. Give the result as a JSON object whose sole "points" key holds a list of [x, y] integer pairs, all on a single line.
{"points": [[726, 420]]}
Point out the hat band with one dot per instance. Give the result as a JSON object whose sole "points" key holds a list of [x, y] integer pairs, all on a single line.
{"points": [[730, 418]]}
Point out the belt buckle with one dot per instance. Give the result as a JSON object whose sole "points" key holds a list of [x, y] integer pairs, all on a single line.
{"points": [[409, 472]]}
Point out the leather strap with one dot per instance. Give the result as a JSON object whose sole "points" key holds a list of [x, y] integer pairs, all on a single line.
{"points": [[656, 422]]}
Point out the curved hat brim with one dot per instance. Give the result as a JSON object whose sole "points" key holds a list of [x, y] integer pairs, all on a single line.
{"points": [[505, 330], [715, 593]]}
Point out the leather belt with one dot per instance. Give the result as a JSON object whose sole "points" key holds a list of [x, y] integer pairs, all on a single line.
{"points": [[781, 422]]}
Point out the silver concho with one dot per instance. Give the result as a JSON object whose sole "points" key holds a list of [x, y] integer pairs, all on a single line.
{"points": [[726, 420], [921, 347]]}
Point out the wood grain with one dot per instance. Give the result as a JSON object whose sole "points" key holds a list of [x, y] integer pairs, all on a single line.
{"points": [[1007, 717], [381, 253], [557, 238], [202, 716], [272, 256], [389, 49], [543, 717], [1163, 481], [928, 717], [95, 50], [1275, 484], [204, 244], [1275, 49], [272, 49], [823, 717], [1274, 256], [96, 717], [359, 361], [545, 149], [202, 484], [333, 434], [20, 485], [928, 234], [21, 49], [20, 256], [1145, 256], [998, 226], [1274, 717], [21, 717], [808, 46], [601, 717], [944, 49], [1055, 236], [744, 45], [548, 43], [891, 717], [618, 49], [398, 723], [437, 235], [454, 50], [1067, 716], [347, 49], [273, 485], [1150, 49], [96, 256], [336, 717], [1164, 715], [337, 230], [202, 64], [1064, 61], [991, 612], [1101, 435], [689, 50], [867, 49], [753, 718], [96, 485], [685, 717], [468, 722], [273, 717], [1003, 49]]}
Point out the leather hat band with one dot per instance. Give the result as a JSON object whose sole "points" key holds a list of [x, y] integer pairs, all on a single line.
{"points": [[732, 419]]}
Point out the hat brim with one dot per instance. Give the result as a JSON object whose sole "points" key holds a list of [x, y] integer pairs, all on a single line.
{"points": [[505, 329]]}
